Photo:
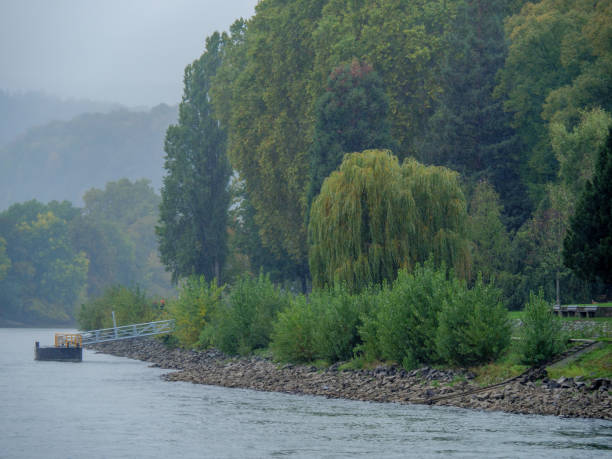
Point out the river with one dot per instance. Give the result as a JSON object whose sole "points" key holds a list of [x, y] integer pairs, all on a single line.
{"points": [[111, 407]]}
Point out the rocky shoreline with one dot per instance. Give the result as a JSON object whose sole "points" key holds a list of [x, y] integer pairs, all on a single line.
{"points": [[563, 397]]}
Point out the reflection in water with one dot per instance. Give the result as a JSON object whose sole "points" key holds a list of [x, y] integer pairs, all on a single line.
{"points": [[116, 407]]}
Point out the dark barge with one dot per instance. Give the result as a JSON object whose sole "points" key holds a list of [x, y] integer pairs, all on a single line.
{"points": [[68, 348]]}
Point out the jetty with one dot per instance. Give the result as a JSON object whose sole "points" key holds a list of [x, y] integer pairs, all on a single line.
{"points": [[68, 347]]}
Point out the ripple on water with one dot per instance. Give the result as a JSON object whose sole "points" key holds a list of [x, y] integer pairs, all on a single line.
{"points": [[116, 407]]}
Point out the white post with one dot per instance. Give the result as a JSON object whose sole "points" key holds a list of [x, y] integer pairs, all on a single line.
{"points": [[114, 323]]}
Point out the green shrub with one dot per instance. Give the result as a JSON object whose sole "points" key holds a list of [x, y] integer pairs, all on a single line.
{"points": [[244, 323], [322, 326], [293, 334], [197, 302], [404, 324], [131, 306], [473, 326], [541, 334]]}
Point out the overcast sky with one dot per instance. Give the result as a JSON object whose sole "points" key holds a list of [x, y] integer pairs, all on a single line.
{"points": [[128, 51]]}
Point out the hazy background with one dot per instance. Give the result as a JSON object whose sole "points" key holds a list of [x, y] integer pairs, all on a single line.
{"points": [[129, 52]]}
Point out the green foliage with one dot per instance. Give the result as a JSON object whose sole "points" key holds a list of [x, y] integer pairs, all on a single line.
{"points": [[131, 306], [491, 244], [430, 316], [373, 217], [248, 255], [587, 248], [47, 275], [323, 325], [263, 100], [197, 302], [293, 337], [192, 227], [559, 63], [116, 230], [576, 150], [469, 131], [5, 261], [403, 325], [351, 115], [473, 326], [595, 363], [538, 245], [541, 335], [244, 323], [403, 41]]}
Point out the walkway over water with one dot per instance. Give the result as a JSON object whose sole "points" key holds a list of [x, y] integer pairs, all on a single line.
{"points": [[103, 335]]}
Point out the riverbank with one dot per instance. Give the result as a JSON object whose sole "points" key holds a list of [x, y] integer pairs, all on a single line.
{"points": [[562, 397]]}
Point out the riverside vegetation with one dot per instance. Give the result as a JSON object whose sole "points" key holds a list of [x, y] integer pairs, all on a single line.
{"points": [[428, 334], [400, 173]]}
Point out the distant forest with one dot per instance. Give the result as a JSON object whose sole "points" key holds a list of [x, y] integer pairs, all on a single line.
{"points": [[20, 111], [61, 160]]}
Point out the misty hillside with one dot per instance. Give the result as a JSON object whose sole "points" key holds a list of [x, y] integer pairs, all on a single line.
{"points": [[63, 159], [21, 111]]}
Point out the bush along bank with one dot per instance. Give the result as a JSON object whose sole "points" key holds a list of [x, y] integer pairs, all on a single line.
{"points": [[425, 318], [533, 393]]}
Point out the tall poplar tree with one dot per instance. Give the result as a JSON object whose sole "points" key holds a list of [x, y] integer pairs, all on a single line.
{"points": [[192, 230]]}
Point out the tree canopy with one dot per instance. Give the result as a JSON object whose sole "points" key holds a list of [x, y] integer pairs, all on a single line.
{"points": [[587, 248], [374, 217], [192, 228], [351, 115]]}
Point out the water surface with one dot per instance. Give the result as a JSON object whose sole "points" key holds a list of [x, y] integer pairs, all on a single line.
{"points": [[107, 407]]}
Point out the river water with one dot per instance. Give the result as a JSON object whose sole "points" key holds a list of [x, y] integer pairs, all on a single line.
{"points": [[110, 407]]}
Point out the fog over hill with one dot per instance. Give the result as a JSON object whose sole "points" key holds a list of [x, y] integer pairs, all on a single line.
{"points": [[62, 159], [20, 111]]}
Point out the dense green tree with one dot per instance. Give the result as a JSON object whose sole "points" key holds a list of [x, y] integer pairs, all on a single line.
{"points": [[262, 97], [123, 202], [248, 254], [541, 334], [492, 254], [538, 245], [373, 217], [5, 261], [470, 131], [116, 229], [110, 253], [198, 301], [244, 322], [559, 63], [577, 149], [473, 326], [47, 276], [403, 41], [587, 248], [192, 227], [275, 68], [351, 115]]}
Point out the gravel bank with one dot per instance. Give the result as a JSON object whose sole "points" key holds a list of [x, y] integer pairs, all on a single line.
{"points": [[563, 397]]}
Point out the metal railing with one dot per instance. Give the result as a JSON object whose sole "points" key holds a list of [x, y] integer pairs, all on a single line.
{"points": [[127, 331]]}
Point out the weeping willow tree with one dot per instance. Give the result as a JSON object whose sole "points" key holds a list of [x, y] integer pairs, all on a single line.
{"points": [[373, 217]]}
